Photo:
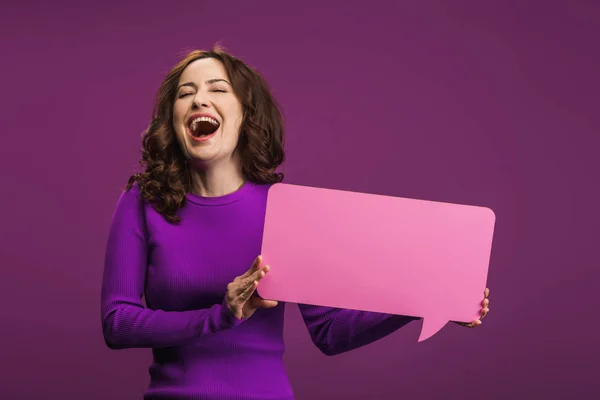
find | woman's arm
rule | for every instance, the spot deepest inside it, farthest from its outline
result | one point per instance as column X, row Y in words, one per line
column 126, row 323
column 335, row 330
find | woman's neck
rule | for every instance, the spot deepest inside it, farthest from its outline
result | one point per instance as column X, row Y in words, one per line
column 216, row 181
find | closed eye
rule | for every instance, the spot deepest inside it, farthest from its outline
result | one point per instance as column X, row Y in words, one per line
column 182, row 95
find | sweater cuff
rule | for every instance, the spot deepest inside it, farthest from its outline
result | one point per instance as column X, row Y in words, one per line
column 227, row 317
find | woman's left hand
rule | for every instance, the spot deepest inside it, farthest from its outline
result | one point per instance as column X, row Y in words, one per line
column 485, row 308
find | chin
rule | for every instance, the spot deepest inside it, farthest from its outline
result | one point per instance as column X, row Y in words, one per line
column 203, row 155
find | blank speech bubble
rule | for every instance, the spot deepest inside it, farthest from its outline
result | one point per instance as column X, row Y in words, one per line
column 376, row 253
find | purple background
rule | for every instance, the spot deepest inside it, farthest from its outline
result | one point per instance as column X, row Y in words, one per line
column 493, row 105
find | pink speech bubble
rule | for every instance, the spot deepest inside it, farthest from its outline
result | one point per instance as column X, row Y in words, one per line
column 377, row 253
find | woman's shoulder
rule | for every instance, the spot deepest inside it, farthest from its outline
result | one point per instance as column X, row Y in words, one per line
column 131, row 196
column 132, row 189
column 262, row 189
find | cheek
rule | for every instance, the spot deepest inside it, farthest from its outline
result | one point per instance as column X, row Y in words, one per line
column 178, row 124
column 178, row 114
column 233, row 130
column 236, row 117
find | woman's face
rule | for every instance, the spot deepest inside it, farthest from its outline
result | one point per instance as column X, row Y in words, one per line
column 207, row 115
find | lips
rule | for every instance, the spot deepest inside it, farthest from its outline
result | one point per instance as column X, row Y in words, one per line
column 202, row 125
column 202, row 138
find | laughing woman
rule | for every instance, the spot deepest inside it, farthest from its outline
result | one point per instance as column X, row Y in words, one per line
column 186, row 236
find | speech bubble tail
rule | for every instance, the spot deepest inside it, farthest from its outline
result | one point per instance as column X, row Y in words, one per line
column 430, row 327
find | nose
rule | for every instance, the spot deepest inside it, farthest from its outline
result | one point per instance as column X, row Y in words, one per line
column 199, row 101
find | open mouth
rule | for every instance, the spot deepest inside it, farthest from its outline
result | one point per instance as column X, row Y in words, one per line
column 203, row 126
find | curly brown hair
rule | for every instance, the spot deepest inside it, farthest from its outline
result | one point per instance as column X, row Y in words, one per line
column 166, row 180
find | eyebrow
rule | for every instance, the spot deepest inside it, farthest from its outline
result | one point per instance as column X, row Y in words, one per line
column 208, row 82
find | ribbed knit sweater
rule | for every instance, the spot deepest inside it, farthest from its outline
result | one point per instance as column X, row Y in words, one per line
column 164, row 288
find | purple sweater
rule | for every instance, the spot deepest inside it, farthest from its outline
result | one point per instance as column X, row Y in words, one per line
column 200, row 350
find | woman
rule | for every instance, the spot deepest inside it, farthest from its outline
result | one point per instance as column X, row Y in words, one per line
column 186, row 234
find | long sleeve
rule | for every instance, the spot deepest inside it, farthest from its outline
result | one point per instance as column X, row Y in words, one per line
column 126, row 322
column 335, row 331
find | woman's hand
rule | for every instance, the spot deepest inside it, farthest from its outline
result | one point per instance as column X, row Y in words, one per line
column 240, row 299
column 485, row 308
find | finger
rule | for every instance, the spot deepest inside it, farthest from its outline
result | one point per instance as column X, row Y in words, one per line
column 245, row 285
column 485, row 303
column 261, row 272
column 255, row 265
column 473, row 324
column 257, row 302
column 257, row 276
column 486, row 293
column 484, row 312
column 245, row 295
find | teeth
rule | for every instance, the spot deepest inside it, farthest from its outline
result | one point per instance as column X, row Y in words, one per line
column 203, row 119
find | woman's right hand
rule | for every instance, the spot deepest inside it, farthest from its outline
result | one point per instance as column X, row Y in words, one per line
column 240, row 299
